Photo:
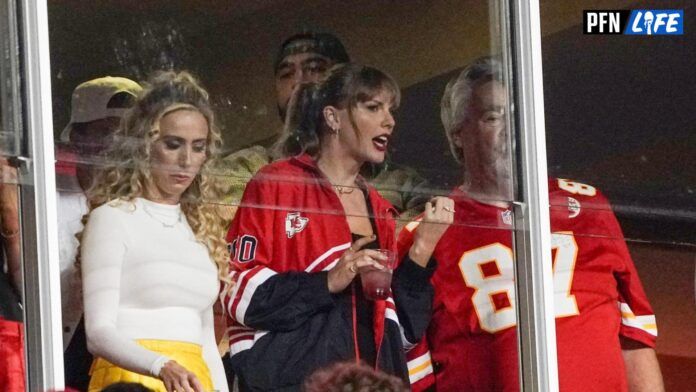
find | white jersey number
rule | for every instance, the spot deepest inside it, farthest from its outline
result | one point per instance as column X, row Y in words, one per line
column 488, row 270
column 577, row 188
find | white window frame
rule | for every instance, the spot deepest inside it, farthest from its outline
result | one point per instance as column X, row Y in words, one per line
column 41, row 291
column 520, row 20
column 536, row 324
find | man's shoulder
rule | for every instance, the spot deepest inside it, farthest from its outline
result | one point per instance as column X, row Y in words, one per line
column 396, row 177
column 249, row 159
column 580, row 207
column 285, row 167
column 562, row 188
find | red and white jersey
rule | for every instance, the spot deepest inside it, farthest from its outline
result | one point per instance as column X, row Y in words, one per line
column 471, row 341
column 291, row 220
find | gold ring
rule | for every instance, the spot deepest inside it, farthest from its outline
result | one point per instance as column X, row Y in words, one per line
column 353, row 268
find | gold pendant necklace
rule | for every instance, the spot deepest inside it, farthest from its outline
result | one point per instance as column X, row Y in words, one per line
column 344, row 190
column 163, row 223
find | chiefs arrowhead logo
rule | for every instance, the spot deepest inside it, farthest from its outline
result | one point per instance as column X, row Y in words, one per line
column 294, row 223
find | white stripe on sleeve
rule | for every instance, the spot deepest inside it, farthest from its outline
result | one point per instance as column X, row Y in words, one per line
column 390, row 313
column 645, row 323
column 326, row 254
column 251, row 285
column 419, row 367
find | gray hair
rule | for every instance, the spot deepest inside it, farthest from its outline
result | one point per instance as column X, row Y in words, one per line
column 454, row 107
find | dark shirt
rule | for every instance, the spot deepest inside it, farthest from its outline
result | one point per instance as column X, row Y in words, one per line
column 365, row 315
column 365, row 307
column 9, row 298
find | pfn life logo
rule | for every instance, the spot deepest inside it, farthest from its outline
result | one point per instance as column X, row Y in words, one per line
column 656, row 22
column 633, row 22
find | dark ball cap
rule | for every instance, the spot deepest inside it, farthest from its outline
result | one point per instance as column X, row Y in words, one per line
column 325, row 44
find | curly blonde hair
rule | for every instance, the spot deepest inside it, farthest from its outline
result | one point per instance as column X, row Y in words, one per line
column 127, row 169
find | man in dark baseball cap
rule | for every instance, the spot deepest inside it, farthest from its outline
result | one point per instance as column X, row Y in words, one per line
column 304, row 57
column 307, row 57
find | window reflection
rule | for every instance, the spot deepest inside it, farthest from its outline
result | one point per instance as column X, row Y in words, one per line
column 616, row 128
column 96, row 109
column 12, row 367
column 251, row 73
column 152, row 253
column 12, row 361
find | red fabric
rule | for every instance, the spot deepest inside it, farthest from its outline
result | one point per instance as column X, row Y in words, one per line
column 472, row 335
column 296, row 185
column 290, row 219
column 66, row 162
column 11, row 356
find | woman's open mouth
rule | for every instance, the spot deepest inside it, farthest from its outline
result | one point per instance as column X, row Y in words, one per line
column 380, row 142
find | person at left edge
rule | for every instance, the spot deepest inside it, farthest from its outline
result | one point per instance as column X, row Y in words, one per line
column 302, row 237
column 12, row 366
column 97, row 106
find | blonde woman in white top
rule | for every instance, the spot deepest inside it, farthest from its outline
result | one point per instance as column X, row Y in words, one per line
column 152, row 251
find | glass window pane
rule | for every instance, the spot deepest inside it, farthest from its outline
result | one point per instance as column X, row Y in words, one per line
column 618, row 118
column 12, row 364
column 304, row 214
column 10, row 117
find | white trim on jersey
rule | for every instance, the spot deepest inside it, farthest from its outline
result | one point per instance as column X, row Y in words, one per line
column 330, row 266
column 248, row 286
column 645, row 323
column 390, row 313
column 235, row 289
column 411, row 226
column 244, row 338
column 259, row 334
column 260, row 276
column 241, row 345
column 326, row 254
column 241, row 338
column 419, row 367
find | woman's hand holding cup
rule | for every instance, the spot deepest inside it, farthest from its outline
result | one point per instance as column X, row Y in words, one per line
column 354, row 260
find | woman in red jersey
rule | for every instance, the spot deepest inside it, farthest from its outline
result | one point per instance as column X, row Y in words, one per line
column 307, row 231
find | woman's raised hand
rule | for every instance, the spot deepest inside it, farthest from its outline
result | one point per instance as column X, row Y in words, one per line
column 438, row 216
column 177, row 379
column 354, row 260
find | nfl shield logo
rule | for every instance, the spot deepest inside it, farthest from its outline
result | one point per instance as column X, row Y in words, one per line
column 507, row 217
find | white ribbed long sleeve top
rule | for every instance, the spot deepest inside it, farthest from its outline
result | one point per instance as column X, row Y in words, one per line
column 146, row 277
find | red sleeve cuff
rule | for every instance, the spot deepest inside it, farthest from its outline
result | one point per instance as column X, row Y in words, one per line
column 638, row 335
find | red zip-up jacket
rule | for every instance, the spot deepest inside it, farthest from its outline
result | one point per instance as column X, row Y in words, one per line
column 283, row 322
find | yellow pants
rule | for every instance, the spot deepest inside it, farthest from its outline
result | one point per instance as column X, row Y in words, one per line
column 188, row 355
